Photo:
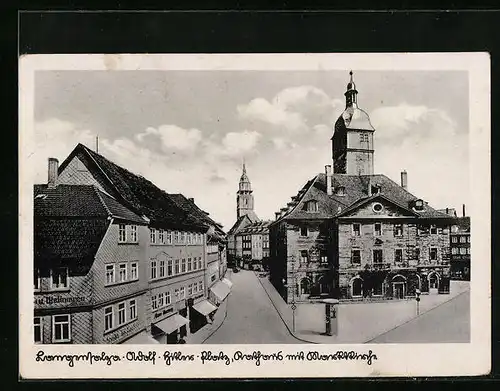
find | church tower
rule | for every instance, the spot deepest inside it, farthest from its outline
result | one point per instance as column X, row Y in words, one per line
column 352, row 141
column 244, row 196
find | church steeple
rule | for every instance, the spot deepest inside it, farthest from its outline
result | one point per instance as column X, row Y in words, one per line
column 351, row 98
column 244, row 196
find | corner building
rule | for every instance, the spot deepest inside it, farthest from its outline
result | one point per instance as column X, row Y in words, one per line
column 355, row 235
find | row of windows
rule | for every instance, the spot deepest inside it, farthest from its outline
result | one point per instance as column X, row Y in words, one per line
column 164, row 299
column 398, row 255
column 397, row 229
column 168, row 268
column 59, row 279
column 304, row 257
column 212, row 248
column 112, row 320
column 127, row 234
column 174, row 237
column 126, row 272
column 463, row 239
column 61, row 329
column 461, row 250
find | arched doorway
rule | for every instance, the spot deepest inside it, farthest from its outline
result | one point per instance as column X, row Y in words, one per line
column 399, row 287
column 357, row 287
column 323, row 285
column 433, row 282
column 305, row 288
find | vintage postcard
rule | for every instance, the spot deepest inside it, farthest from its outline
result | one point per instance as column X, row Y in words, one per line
column 277, row 215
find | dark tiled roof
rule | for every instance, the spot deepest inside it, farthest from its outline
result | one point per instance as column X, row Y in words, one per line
column 79, row 201
column 355, row 193
column 65, row 240
column 463, row 224
column 141, row 195
column 257, row 227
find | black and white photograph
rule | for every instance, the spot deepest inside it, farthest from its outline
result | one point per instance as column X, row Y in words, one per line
column 220, row 201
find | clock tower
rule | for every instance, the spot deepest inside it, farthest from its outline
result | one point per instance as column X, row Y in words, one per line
column 352, row 141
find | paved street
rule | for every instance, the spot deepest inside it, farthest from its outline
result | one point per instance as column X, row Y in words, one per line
column 251, row 316
column 449, row 322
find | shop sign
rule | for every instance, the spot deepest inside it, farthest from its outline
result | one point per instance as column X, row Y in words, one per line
column 161, row 313
column 61, row 300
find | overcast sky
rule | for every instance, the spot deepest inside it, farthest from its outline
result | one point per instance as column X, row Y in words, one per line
column 188, row 131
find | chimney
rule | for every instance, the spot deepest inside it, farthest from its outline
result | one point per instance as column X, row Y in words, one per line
column 191, row 199
column 328, row 173
column 404, row 180
column 463, row 210
column 53, row 167
column 447, row 211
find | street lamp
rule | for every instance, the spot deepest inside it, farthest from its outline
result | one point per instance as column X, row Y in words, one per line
column 417, row 299
column 294, row 287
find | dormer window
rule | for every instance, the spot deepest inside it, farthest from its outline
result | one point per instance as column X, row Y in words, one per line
column 312, row 206
column 418, row 205
column 375, row 189
column 340, row 191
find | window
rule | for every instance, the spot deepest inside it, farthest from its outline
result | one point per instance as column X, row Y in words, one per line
column 304, row 256
column 132, row 309
column 177, row 270
column 154, row 302
column 468, row 239
column 183, row 238
column 323, row 258
column 176, row 294
column 168, row 299
column 161, row 237
column 61, row 328
column 356, row 229
column 378, row 229
column 121, row 314
column 122, row 272
column 200, row 264
column 195, row 287
column 133, row 233
column 161, row 298
column 110, row 274
column 454, row 250
column 182, row 292
column 377, row 207
column 398, row 255
column 463, row 239
column 108, row 318
column 212, row 278
column 36, row 279
column 189, row 237
column 419, row 205
column 183, row 265
column 122, row 235
column 169, row 237
column 176, row 237
column 190, row 289
column 312, row 206
column 356, row 257
column 417, row 254
column 433, row 254
column 398, row 229
column 37, row 329
column 303, row 231
column 153, row 269
column 200, row 286
column 59, row 278
column 377, row 256
column 468, row 250
column 377, row 289
column 463, row 251
column 133, row 271
column 152, row 235
column 162, row 269
column 340, row 191
column 433, row 230
column 189, row 265
column 454, row 239
column 169, row 267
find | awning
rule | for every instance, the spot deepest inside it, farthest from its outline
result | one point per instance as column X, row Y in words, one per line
column 204, row 307
column 142, row 338
column 172, row 323
column 227, row 282
column 220, row 290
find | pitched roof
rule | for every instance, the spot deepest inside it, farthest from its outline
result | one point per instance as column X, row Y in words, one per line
column 79, row 201
column 256, row 227
column 463, row 224
column 189, row 205
column 140, row 194
column 67, row 240
column 355, row 192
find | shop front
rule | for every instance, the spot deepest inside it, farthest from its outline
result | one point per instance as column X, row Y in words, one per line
column 170, row 330
column 142, row 338
column 218, row 292
column 201, row 313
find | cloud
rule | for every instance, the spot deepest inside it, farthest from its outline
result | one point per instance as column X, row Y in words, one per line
column 173, row 137
column 293, row 108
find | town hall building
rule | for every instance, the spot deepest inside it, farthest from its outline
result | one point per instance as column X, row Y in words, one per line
column 355, row 235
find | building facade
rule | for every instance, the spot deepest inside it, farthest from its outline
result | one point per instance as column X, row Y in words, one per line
column 354, row 235
column 460, row 249
column 165, row 251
